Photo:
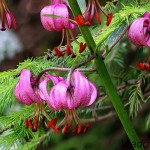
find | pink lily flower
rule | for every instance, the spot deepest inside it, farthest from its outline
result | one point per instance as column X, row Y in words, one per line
column 59, row 9
column 61, row 96
column 25, row 91
column 139, row 31
column 7, row 16
column 81, row 92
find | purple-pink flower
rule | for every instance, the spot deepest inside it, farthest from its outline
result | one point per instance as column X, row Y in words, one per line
column 81, row 92
column 60, row 22
column 6, row 16
column 52, row 23
column 25, row 91
column 139, row 31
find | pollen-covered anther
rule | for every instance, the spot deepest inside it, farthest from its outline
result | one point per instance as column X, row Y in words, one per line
column 80, row 20
column 109, row 18
column 79, row 128
column 52, row 124
column 30, row 123
column 58, row 52
column 98, row 17
column 82, row 47
column 87, row 126
column 75, row 130
column 144, row 66
column 66, row 128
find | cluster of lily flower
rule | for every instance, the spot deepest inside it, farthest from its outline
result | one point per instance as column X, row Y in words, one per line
column 80, row 91
column 62, row 96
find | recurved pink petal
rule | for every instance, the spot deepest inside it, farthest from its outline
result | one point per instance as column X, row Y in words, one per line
column 21, row 96
column 43, row 89
column 136, row 32
column 24, row 92
column 46, row 21
column 88, row 91
column 58, row 96
column 59, row 10
column 93, row 94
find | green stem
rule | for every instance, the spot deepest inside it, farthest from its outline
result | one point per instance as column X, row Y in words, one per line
column 104, row 75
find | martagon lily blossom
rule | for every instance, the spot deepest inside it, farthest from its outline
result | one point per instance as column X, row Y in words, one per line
column 62, row 95
column 26, row 92
column 60, row 22
column 6, row 16
column 139, row 31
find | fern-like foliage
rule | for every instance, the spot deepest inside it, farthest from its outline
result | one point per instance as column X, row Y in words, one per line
column 135, row 99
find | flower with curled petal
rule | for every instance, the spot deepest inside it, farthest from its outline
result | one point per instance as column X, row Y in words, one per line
column 59, row 9
column 62, row 23
column 81, row 92
column 6, row 16
column 139, row 31
column 26, row 92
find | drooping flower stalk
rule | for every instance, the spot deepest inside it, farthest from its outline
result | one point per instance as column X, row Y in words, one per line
column 6, row 16
column 92, row 10
column 60, row 23
column 139, row 31
column 81, row 92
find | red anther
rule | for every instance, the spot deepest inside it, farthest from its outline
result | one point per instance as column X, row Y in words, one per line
column 52, row 122
column 82, row 47
column 30, row 123
column 80, row 20
column 98, row 17
column 56, row 130
column 58, row 52
column 27, row 123
column 68, row 50
column 65, row 129
column 52, row 125
column 86, row 127
column 75, row 129
column 143, row 66
column 140, row 65
column 35, row 125
column 88, row 124
column 109, row 18
column 79, row 128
